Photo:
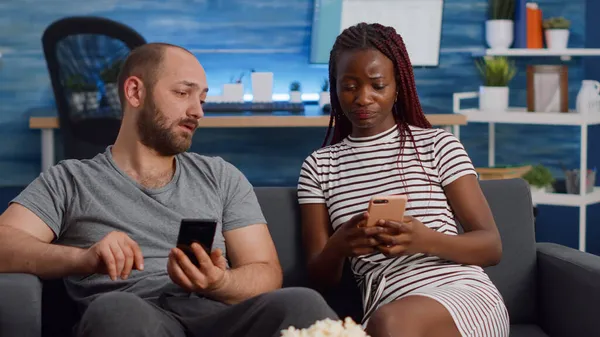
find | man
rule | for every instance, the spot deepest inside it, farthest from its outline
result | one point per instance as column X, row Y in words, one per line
column 109, row 225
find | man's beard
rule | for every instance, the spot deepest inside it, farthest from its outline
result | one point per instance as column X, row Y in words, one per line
column 157, row 135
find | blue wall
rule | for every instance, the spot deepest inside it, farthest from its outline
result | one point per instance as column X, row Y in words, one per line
column 233, row 36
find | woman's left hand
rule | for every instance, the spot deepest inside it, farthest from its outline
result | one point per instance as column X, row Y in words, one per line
column 408, row 237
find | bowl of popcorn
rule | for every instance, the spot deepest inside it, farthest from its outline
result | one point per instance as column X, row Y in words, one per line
column 327, row 328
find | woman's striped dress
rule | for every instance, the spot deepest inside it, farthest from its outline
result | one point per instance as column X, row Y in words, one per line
column 346, row 175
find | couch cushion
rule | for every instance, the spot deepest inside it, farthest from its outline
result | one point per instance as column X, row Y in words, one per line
column 281, row 210
column 526, row 330
column 510, row 201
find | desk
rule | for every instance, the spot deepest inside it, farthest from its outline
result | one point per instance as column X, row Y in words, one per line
column 47, row 125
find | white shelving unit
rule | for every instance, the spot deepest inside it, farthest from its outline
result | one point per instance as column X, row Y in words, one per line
column 521, row 116
column 564, row 55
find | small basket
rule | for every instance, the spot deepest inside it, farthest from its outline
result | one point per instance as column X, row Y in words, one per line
column 493, row 173
column 572, row 181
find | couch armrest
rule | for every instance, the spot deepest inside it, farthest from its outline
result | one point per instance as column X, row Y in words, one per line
column 569, row 291
column 20, row 305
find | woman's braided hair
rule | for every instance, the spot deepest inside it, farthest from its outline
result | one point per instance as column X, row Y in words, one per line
column 407, row 109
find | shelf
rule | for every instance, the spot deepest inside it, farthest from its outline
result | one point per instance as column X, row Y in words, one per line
column 522, row 116
column 562, row 199
column 564, row 54
column 262, row 120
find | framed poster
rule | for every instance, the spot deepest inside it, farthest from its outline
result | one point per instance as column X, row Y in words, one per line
column 419, row 22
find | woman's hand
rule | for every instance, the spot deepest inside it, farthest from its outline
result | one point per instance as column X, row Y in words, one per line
column 408, row 237
column 353, row 238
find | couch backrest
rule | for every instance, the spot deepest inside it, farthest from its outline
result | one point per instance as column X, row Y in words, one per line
column 510, row 202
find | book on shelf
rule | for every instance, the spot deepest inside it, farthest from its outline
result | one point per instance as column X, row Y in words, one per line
column 534, row 26
column 520, row 24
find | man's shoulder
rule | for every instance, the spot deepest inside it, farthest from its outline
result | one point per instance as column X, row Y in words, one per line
column 216, row 165
column 78, row 167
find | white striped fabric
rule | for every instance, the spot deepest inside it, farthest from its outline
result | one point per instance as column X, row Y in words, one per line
column 346, row 175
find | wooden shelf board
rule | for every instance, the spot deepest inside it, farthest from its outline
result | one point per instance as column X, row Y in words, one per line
column 262, row 121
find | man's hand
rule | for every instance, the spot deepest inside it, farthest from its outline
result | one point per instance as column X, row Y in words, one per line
column 116, row 255
column 210, row 276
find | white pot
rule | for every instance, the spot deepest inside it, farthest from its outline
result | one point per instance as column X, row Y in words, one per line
column 262, row 87
column 493, row 99
column 557, row 38
column 324, row 99
column 233, row 92
column 295, row 97
column 539, row 190
column 82, row 101
column 112, row 96
column 499, row 34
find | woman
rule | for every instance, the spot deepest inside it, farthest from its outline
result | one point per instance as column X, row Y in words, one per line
column 418, row 277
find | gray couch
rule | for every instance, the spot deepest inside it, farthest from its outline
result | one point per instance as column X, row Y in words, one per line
column 550, row 290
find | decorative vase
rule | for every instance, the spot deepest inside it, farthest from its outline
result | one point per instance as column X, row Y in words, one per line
column 324, row 99
column 557, row 38
column 588, row 98
column 499, row 34
column 262, row 86
column 493, row 99
column 295, row 97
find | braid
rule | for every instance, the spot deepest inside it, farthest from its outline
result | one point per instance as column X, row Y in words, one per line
column 408, row 110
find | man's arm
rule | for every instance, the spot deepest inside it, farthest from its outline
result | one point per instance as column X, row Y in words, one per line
column 255, row 267
column 25, row 246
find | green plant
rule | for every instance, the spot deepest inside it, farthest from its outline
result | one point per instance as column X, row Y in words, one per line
column 111, row 72
column 496, row 71
column 295, row 86
column 325, row 85
column 557, row 23
column 539, row 176
column 501, row 10
column 237, row 80
column 76, row 83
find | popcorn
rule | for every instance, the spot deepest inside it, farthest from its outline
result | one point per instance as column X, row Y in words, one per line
column 327, row 328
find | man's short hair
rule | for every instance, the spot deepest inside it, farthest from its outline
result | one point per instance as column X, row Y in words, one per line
column 143, row 62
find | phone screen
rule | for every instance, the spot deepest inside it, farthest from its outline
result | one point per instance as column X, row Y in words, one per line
column 201, row 231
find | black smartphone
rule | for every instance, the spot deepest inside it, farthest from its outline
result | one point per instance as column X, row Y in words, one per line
column 201, row 231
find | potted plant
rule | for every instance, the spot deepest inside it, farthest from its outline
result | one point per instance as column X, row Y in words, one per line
column 499, row 28
column 324, row 97
column 233, row 92
column 556, row 30
column 496, row 73
column 109, row 76
column 540, row 179
column 83, row 95
column 295, row 92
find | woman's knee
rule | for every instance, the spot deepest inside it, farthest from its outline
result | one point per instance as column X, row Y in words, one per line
column 393, row 320
column 412, row 316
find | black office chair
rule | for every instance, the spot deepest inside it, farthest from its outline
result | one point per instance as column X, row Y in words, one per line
column 83, row 55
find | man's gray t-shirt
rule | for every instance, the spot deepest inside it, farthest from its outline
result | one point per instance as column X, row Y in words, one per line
column 83, row 201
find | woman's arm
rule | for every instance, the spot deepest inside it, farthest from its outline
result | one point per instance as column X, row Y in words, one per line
column 327, row 251
column 480, row 243
column 325, row 264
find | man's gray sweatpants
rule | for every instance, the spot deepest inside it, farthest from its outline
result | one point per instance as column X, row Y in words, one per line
column 118, row 314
